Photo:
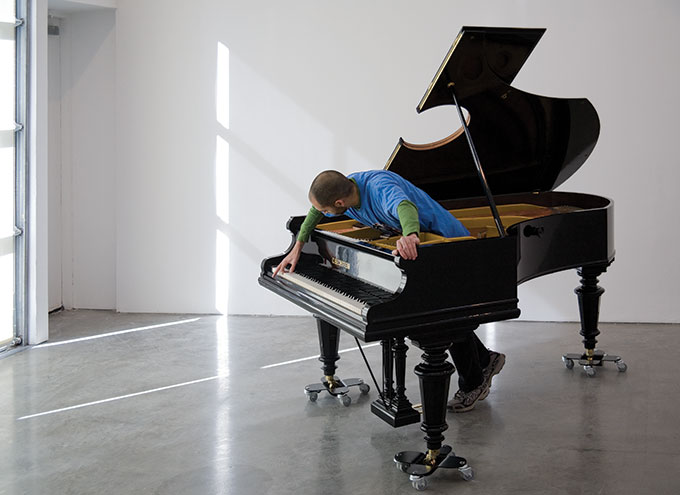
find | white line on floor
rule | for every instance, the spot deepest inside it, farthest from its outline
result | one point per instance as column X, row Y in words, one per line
column 120, row 397
column 120, row 332
column 314, row 357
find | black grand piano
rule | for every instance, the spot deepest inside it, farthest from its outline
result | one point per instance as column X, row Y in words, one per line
column 496, row 174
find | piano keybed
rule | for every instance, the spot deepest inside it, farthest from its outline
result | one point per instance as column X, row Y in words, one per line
column 348, row 292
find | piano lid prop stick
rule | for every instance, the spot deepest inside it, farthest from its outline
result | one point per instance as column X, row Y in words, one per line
column 480, row 171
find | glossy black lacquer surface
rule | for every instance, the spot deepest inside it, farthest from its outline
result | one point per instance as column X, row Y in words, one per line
column 528, row 145
column 447, row 286
column 525, row 142
column 580, row 236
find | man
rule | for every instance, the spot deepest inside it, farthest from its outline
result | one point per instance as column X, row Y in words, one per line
column 383, row 197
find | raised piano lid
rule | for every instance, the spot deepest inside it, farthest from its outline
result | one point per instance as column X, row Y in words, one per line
column 525, row 142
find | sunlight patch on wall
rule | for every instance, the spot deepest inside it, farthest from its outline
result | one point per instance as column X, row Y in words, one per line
column 222, row 179
column 222, row 242
column 222, row 272
column 222, row 86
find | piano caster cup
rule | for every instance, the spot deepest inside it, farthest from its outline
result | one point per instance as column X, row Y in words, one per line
column 337, row 388
column 419, row 465
column 598, row 358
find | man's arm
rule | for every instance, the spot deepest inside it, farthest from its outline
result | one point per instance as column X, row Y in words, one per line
column 312, row 219
column 410, row 228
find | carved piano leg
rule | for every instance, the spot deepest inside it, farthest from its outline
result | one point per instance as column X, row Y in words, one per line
column 589, row 294
column 434, row 374
column 397, row 410
column 388, row 369
column 329, row 342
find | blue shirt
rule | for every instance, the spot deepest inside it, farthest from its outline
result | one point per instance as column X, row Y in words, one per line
column 381, row 191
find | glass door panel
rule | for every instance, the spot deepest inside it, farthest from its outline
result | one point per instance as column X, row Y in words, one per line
column 7, row 166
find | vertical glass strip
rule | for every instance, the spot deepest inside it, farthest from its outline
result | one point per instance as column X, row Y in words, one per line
column 20, row 168
column 8, row 130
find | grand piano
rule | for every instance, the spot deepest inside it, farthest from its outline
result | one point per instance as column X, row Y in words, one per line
column 496, row 174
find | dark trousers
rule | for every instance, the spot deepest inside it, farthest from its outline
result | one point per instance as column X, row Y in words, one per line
column 470, row 357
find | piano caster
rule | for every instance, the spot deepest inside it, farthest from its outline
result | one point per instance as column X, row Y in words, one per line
column 418, row 482
column 419, row 465
column 337, row 388
column 591, row 359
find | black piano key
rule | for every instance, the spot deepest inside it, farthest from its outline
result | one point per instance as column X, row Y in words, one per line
column 349, row 286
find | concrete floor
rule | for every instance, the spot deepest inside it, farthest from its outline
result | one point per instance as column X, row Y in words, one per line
column 190, row 407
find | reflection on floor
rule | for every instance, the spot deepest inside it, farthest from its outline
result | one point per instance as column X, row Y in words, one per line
column 191, row 404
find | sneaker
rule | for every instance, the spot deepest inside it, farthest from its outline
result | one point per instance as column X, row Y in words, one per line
column 496, row 363
column 464, row 401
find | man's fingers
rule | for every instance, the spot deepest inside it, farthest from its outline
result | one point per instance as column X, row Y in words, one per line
column 285, row 263
column 276, row 271
column 411, row 252
column 281, row 268
column 407, row 248
column 412, row 248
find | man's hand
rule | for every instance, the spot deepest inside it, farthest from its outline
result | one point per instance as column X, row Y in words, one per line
column 290, row 259
column 407, row 247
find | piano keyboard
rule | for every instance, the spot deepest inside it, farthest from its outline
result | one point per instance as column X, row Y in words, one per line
column 343, row 290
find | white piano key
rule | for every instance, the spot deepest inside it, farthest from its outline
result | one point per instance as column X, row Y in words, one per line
column 324, row 291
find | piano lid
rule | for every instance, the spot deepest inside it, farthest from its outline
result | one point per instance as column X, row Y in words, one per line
column 525, row 142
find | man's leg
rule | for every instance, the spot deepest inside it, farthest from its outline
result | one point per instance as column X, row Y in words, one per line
column 470, row 357
column 476, row 367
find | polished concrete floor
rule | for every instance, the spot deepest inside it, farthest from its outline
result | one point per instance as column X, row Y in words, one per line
column 182, row 404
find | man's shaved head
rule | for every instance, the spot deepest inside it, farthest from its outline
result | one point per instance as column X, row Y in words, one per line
column 329, row 186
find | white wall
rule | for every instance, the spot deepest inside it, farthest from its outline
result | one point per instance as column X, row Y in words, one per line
column 37, row 178
column 315, row 85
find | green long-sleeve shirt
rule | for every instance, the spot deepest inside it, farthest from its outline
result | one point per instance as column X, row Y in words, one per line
column 407, row 212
